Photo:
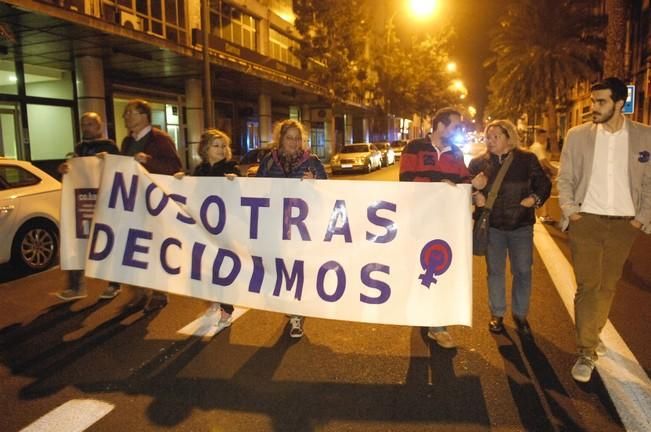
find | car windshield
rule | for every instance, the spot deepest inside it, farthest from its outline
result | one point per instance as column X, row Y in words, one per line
column 355, row 148
column 382, row 146
column 397, row 144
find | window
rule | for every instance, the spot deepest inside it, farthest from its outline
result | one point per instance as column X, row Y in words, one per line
column 48, row 82
column 12, row 176
column 233, row 25
column 283, row 48
column 8, row 77
column 50, row 131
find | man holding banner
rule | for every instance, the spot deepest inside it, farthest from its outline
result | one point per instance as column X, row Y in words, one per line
column 156, row 151
column 92, row 129
column 437, row 159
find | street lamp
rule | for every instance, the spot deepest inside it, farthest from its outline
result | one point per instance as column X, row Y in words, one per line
column 422, row 9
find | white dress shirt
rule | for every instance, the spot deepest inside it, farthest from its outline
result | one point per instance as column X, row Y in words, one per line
column 609, row 192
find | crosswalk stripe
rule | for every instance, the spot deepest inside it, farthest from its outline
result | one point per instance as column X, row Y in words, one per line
column 75, row 415
column 205, row 326
column 627, row 383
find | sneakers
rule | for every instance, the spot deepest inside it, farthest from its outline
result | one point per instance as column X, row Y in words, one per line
column 225, row 321
column 296, row 327
column 582, row 369
column 111, row 291
column 601, row 349
column 69, row 295
column 441, row 337
column 546, row 219
column 155, row 303
column 496, row 324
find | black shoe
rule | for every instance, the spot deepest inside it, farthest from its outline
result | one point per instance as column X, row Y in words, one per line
column 522, row 326
column 155, row 303
column 496, row 324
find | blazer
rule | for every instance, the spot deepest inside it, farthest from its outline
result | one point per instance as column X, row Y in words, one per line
column 158, row 145
column 576, row 168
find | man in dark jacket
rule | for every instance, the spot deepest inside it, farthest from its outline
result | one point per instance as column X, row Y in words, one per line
column 91, row 144
column 156, row 151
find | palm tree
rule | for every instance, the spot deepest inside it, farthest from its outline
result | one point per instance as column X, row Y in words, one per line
column 616, row 37
column 540, row 50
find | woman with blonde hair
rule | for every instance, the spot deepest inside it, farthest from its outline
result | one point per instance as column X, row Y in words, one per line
column 291, row 158
column 216, row 161
column 524, row 188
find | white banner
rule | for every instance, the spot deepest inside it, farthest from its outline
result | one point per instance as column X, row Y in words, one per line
column 378, row 252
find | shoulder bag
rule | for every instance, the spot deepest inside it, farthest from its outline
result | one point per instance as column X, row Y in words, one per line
column 480, row 228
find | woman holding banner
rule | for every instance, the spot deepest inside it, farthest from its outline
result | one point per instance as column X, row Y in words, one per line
column 216, row 161
column 524, row 188
column 291, row 158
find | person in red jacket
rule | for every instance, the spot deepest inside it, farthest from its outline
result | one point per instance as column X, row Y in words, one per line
column 437, row 159
column 156, row 151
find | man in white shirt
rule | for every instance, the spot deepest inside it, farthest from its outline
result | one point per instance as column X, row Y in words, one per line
column 605, row 195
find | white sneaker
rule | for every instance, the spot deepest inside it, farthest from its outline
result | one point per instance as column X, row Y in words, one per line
column 69, row 295
column 442, row 338
column 225, row 321
column 296, row 327
column 111, row 291
column 582, row 369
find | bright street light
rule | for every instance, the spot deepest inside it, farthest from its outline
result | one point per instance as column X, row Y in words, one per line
column 423, row 8
column 451, row 67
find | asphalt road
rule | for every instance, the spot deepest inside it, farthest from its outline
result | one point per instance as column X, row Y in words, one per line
column 138, row 372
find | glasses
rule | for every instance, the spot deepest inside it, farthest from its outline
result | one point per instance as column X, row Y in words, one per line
column 131, row 112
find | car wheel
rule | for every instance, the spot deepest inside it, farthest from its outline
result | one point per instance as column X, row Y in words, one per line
column 35, row 246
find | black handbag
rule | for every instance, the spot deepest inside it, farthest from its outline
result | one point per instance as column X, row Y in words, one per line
column 480, row 228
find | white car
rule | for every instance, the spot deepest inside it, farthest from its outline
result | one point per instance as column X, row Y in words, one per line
column 356, row 157
column 29, row 215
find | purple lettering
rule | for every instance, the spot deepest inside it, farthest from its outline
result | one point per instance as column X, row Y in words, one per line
column 255, row 204
column 390, row 226
column 289, row 220
column 339, row 211
column 163, row 255
column 297, row 275
column 384, row 288
column 341, row 281
column 119, row 186
column 132, row 247
column 110, row 238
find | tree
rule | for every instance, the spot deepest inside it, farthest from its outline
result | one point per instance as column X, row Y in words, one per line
column 616, row 38
column 333, row 47
column 355, row 52
column 540, row 50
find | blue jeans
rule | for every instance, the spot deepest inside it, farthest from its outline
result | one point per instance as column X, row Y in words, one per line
column 519, row 245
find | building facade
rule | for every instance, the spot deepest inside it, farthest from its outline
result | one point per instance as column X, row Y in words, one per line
column 60, row 58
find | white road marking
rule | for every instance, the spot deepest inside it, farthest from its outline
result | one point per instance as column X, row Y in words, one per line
column 75, row 415
column 206, row 325
column 627, row 383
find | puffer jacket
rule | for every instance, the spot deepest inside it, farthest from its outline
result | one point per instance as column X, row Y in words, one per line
column 524, row 177
column 271, row 167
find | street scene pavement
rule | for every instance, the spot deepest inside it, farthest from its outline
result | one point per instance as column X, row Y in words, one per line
column 99, row 365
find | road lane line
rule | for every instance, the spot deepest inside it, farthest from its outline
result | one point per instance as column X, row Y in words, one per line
column 206, row 325
column 627, row 383
column 76, row 415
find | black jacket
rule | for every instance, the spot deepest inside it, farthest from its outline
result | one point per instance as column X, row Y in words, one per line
column 524, row 177
column 92, row 147
column 220, row 169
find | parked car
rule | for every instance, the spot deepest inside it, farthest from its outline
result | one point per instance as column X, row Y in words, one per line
column 398, row 146
column 250, row 162
column 388, row 155
column 29, row 215
column 356, row 157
